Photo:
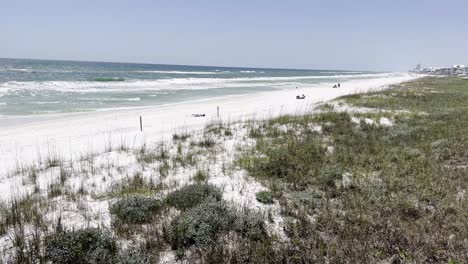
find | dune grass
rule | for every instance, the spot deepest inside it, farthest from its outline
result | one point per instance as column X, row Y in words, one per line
column 374, row 192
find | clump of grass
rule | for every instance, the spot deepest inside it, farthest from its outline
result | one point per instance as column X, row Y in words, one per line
column 180, row 137
column 64, row 175
column 228, row 133
column 206, row 142
column 200, row 176
column 294, row 161
column 52, row 162
column 32, row 172
column 135, row 209
column 163, row 169
column 135, row 185
column 215, row 129
column 150, row 156
column 265, row 197
column 54, row 190
column 191, row 195
column 328, row 176
column 184, row 160
column 123, row 148
column 255, row 132
column 327, row 107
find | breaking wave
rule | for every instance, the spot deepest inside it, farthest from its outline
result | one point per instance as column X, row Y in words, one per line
column 172, row 83
column 182, row 72
column 109, row 79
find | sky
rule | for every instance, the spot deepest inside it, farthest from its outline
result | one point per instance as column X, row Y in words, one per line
column 349, row 35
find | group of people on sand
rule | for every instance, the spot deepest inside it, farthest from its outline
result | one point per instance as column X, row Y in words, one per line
column 336, row 86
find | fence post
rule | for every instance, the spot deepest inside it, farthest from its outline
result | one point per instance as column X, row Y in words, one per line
column 141, row 124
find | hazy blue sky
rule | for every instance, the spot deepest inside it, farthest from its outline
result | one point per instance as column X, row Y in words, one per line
column 291, row 34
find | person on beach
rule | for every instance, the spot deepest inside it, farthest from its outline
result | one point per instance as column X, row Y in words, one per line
column 334, row 86
column 338, row 85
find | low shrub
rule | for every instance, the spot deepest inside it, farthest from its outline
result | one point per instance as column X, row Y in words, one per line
column 200, row 225
column 265, row 197
column 132, row 257
column 90, row 245
column 203, row 224
column 192, row 195
column 135, row 209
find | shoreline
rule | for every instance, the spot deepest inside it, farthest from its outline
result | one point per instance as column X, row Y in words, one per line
column 70, row 135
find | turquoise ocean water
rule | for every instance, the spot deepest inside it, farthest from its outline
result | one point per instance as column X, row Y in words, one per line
column 29, row 87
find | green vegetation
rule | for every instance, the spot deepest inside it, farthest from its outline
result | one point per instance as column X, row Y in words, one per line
column 150, row 156
column 180, row 137
column 206, row 142
column 227, row 133
column 202, row 225
column 83, row 246
column 192, row 195
column 376, row 193
column 265, row 197
column 135, row 209
column 200, row 176
column 135, row 185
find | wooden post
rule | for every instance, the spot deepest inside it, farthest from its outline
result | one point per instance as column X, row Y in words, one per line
column 217, row 109
column 141, row 124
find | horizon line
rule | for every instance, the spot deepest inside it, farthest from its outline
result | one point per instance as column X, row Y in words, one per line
column 190, row 65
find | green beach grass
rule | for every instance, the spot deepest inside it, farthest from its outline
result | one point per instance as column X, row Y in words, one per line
column 363, row 193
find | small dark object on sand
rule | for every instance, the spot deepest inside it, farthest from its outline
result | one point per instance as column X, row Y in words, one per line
column 334, row 86
column 198, row 115
column 300, row 96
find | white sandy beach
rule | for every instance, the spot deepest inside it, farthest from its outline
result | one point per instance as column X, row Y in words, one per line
column 24, row 139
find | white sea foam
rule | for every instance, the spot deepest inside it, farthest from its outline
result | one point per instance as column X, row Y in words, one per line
column 120, row 99
column 181, row 72
column 54, row 102
column 248, row 71
column 175, row 83
column 19, row 70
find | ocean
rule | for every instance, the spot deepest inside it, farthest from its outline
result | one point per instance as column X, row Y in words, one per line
column 39, row 87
